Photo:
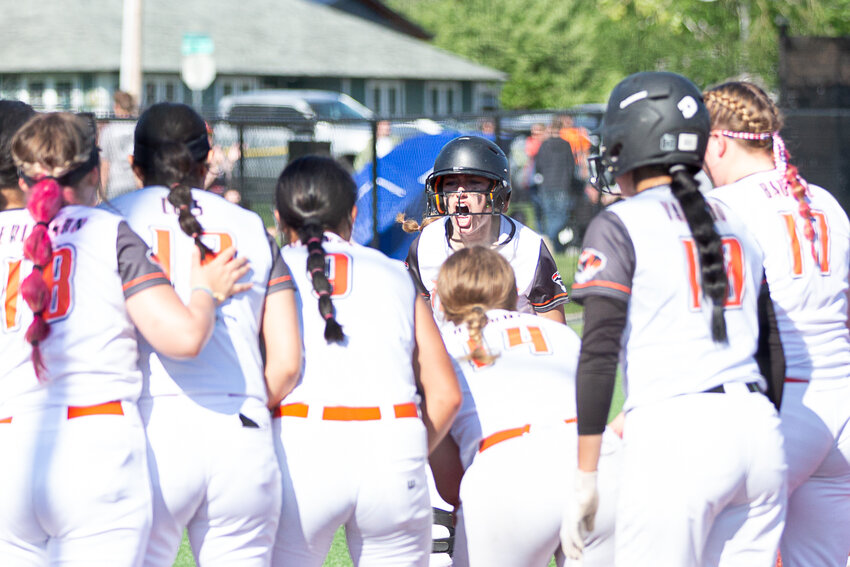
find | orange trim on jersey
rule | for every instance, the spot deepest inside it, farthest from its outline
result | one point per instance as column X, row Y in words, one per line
column 560, row 295
column 406, row 410
column 291, row 410
column 506, row 434
column 796, row 380
column 108, row 408
column 281, row 279
column 6, row 420
column 603, row 283
column 346, row 413
column 143, row 279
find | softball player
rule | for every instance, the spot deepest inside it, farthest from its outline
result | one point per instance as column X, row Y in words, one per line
column 212, row 457
column 805, row 236
column 675, row 280
column 467, row 192
column 353, row 448
column 74, row 280
column 13, row 115
column 516, row 429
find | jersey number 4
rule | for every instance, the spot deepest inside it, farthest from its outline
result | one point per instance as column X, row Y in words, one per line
column 57, row 276
column 733, row 253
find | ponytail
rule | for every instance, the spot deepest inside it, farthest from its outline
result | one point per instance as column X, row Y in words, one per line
column 708, row 244
column 44, row 203
column 311, row 234
column 475, row 318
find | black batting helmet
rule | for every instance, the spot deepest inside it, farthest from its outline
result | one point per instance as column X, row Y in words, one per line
column 653, row 118
column 469, row 155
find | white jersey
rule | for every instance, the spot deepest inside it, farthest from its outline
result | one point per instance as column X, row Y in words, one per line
column 810, row 296
column 539, row 285
column 374, row 300
column 531, row 382
column 91, row 352
column 641, row 251
column 231, row 362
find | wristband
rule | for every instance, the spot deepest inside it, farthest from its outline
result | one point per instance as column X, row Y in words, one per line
column 217, row 297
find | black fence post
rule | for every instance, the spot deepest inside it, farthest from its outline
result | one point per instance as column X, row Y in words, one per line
column 376, row 239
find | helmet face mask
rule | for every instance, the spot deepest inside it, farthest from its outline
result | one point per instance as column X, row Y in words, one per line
column 472, row 156
column 652, row 119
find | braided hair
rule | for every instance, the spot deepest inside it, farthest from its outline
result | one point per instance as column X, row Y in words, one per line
column 316, row 194
column 744, row 112
column 52, row 151
column 170, row 149
column 709, row 246
column 472, row 281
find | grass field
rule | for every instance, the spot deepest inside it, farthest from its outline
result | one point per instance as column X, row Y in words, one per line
column 338, row 555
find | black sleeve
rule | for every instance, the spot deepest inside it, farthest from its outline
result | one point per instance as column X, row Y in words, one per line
column 769, row 355
column 547, row 289
column 412, row 263
column 604, row 321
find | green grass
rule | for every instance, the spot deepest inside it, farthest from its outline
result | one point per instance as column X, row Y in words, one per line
column 338, row 555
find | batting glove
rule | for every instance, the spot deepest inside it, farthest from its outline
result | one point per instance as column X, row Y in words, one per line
column 581, row 515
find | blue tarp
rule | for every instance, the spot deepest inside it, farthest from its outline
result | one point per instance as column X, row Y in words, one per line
column 401, row 189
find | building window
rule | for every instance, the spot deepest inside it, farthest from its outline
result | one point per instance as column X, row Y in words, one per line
column 443, row 98
column 226, row 86
column 162, row 89
column 36, row 92
column 485, row 98
column 385, row 98
column 63, row 95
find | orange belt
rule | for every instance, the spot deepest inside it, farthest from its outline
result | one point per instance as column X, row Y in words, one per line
column 106, row 408
column 345, row 413
column 506, row 434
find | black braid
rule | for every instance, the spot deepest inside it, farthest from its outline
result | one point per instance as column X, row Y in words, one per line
column 173, row 162
column 709, row 247
column 311, row 234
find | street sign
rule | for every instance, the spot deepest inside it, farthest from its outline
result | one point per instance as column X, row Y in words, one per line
column 198, row 64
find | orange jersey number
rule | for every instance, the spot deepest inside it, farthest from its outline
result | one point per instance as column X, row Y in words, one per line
column 163, row 241
column 57, row 276
column 821, row 243
column 733, row 253
column 515, row 337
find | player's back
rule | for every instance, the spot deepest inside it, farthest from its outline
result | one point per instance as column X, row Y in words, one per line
column 231, row 362
column 668, row 347
column 531, row 381
column 90, row 353
column 810, row 295
column 374, row 301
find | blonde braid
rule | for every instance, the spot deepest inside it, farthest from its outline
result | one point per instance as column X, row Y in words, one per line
column 475, row 319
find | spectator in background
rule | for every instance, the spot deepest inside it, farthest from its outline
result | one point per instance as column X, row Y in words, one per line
column 384, row 144
column 220, row 163
column 554, row 198
column 116, row 143
column 488, row 129
column 579, row 141
column 13, row 115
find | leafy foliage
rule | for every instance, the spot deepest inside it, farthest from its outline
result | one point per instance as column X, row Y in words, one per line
column 566, row 52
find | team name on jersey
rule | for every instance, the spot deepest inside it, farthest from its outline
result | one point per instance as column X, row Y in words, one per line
column 169, row 209
column 675, row 213
column 10, row 234
column 777, row 188
column 19, row 232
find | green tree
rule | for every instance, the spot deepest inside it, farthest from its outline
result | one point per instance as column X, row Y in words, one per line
column 558, row 53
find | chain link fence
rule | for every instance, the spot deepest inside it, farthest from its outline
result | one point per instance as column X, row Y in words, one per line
column 390, row 158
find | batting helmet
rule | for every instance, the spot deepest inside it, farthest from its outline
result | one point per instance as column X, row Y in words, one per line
column 653, row 118
column 469, row 155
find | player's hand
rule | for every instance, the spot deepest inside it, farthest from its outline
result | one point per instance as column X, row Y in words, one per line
column 580, row 518
column 220, row 274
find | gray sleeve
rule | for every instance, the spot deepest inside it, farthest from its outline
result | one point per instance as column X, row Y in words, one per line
column 280, row 277
column 606, row 264
column 135, row 265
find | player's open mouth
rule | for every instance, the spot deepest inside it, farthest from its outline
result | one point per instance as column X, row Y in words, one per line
column 462, row 216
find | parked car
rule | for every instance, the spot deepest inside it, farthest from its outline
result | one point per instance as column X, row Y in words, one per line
column 306, row 115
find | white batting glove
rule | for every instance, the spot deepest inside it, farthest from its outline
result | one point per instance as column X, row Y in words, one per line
column 580, row 518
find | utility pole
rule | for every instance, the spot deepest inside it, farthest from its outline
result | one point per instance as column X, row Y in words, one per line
column 130, row 75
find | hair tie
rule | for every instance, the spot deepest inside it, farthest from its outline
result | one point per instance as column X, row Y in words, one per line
column 195, row 236
column 676, row 168
column 317, row 251
column 183, row 207
column 313, row 240
column 42, row 223
column 316, row 269
column 328, row 316
column 323, row 293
